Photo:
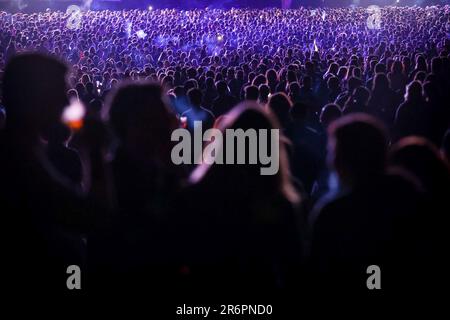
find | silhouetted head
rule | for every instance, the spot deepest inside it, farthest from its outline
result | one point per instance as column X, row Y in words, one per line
column 222, row 87
column 72, row 94
column 251, row 93
column 421, row 158
column 420, row 76
column 380, row 83
column 141, row 119
column 294, row 89
column 330, row 113
column 307, row 82
column 252, row 184
column 333, row 83
column 361, row 95
column 414, row 92
column 353, row 83
column 397, row 67
column 260, row 79
column 34, row 92
column 264, row 91
column 195, row 97
column 357, row 147
column 280, row 105
column 431, row 91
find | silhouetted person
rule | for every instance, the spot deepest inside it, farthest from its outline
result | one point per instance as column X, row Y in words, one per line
column 357, row 102
column 334, row 89
column 352, row 84
column 398, row 77
column 44, row 215
column 410, row 118
column 437, row 114
column 423, row 160
column 329, row 113
column 64, row 159
column 363, row 220
column 251, row 93
column 137, row 245
column 224, row 102
column 197, row 112
column 308, row 154
column 383, row 101
column 246, row 232
column 281, row 105
column 210, row 93
column 264, row 92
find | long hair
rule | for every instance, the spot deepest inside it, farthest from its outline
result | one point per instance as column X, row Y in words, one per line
column 246, row 179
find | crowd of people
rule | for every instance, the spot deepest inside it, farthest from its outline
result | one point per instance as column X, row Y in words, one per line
column 364, row 148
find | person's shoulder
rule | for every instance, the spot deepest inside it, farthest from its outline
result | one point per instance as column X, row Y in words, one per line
column 402, row 107
column 209, row 112
column 329, row 207
column 187, row 112
column 400, row 180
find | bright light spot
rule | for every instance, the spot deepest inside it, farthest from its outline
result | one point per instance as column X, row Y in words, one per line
column 374, row 19
column 219, row 37
column 398, row 1
column 150, row 8
column 128, row 27
column 73, row 114
column 141, row 34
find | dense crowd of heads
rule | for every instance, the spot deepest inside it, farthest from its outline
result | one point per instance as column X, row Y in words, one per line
column 364, row 146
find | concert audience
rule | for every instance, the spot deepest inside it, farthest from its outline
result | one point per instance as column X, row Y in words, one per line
column 362, row 114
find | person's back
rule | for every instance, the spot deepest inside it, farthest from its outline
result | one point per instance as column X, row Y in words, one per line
column 307, row 158
column 363, row 222
column 224, row 102
column 436, row 113
column 210, row 93
column 383, row 100
column 44, row 215
column 64, row 159
column 410, row 118
column 357, row 102
column 197, row 113
column 145, row 183
column 239, row 227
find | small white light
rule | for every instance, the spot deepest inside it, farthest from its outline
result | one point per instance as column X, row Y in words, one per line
column 219, row 37
column 141, row 34
column 150, row 8
column 73, row 114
